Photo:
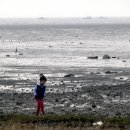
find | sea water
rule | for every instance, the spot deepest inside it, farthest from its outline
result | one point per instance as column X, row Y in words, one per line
column 65, row 42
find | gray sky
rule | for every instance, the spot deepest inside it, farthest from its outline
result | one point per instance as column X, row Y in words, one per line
column 64, row 8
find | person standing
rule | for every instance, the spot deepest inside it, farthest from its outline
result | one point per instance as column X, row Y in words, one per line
column 39, row 93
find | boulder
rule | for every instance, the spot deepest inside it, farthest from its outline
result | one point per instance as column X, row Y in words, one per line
column 98, row 73
column 7, row 55
column 118, row 113
column 69, row 75
column 94, row 106
column 114, row 57
column 106, row 57
column 19, row 103
column 93, row 57
column 21, row 54
column 56, row 100
column 109, row 72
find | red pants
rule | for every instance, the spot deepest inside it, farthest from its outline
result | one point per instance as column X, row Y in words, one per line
column 40, row 106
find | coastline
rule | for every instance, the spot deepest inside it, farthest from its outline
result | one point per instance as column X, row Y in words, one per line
column 94, row 91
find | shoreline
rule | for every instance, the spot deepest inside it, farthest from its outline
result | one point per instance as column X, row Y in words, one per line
column 84, row 92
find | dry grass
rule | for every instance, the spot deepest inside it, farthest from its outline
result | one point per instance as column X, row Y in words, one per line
column 10, row 125
column 61, row 122
column 40, row 127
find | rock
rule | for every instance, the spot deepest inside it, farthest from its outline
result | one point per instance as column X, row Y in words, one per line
column 109, row 72
column 94, row 106
column 106, row 57
column 62, row 110
column 74, row 110
column 91, row 73
column 118, row 113
column 7, row 55
column 63, row 100
column 69, row 75
column 20, row 54
column 93, row 57
column 124, row 61
column 115, row 72
column 18, row 103
column 56, row 100
column 67, row 104
column 73, row 90
column 51, row 89
column 113, row 57
column 15, row 93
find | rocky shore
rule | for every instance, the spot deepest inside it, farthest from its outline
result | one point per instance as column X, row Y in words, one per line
column 91, row 91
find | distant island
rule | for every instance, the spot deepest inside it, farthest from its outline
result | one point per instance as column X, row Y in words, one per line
column 41, row 18
column 89, row 17
column 101, row 17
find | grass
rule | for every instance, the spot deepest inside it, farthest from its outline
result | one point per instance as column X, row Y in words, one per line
column 62, row 122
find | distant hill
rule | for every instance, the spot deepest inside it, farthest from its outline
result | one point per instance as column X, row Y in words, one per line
column 47, row 21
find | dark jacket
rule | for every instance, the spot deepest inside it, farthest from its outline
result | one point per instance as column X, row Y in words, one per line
column 39, row 91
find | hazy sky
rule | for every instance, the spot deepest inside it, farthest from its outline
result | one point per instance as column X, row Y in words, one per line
column 64, row 8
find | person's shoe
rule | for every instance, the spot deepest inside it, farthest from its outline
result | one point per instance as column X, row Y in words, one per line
column 43, row 113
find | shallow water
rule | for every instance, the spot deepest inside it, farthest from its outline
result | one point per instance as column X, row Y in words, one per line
column 66, row 44
column 54, row 46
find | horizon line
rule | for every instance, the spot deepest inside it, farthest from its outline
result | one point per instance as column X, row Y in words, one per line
column 42, row 17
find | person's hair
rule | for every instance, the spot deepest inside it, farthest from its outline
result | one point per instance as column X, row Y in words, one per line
column 43, row 78
column 41, row 75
